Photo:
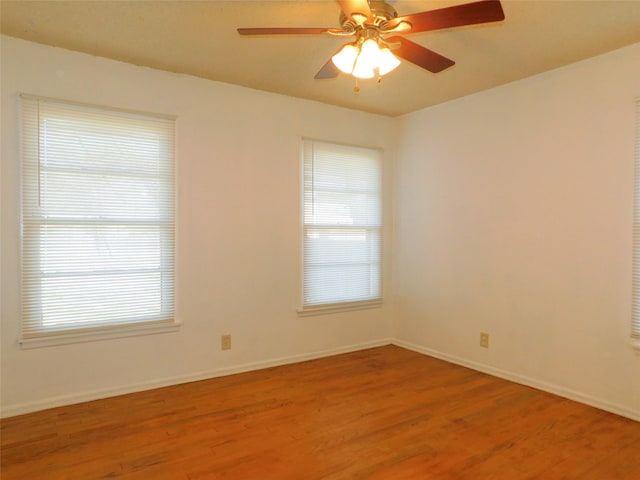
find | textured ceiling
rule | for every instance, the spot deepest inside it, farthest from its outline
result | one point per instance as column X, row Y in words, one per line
column 199, row 38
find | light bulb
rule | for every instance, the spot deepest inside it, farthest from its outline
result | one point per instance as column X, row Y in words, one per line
column 345, row 59
column 387, row 61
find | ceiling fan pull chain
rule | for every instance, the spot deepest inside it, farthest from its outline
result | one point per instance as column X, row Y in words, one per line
column 356, row 88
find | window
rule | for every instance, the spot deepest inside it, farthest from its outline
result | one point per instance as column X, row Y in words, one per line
column 635, row 320
column 97, row 221
column 342, row 223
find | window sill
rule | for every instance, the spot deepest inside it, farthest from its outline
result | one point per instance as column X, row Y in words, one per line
column 635, row 344
column 338, row 307
column 93, row 336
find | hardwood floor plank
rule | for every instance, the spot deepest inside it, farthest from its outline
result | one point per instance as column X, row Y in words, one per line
column 384, row 413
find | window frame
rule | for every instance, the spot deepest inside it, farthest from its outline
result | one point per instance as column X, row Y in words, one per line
column 635, row 264
column 105, row 330
column 349, row 305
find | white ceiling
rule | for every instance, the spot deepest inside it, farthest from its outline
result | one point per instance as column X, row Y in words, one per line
column 199, row 38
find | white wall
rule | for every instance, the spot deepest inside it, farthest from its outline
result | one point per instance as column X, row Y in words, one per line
column 513, row 216
column 238, row 230
column 512, row 212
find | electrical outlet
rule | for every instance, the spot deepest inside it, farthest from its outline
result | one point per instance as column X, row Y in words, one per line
column 484, row 340
column 225, row 342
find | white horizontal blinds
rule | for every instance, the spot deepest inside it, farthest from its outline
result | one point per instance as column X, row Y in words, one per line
column 635, row 320
column 342, row 223
column 98, row 218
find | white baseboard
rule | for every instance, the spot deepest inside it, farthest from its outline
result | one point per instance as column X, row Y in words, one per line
column 19, row 409
column 52, row 402
column 524, row 380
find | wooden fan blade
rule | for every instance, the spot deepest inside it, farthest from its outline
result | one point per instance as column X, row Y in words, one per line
column 456, row 16
column 419, row 55
column 285, row 31
column 328, row 70
column 349, row 7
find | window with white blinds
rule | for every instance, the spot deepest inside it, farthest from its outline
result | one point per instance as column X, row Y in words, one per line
column 635, row 319
column 97, row 220
column 342, row 223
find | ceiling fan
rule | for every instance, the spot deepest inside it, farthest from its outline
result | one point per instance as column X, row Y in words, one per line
column 377, row 27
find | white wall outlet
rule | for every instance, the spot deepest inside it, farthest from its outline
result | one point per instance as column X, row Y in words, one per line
column 484, row 340
column 225, row 342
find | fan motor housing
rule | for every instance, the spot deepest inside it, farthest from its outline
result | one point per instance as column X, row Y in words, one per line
column 382, row 12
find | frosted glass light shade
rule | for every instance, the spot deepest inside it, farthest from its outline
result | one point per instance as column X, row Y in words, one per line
column 362, row 69
column 365, row 60
column 345, row 59
column 387, row 61
column 369, row 54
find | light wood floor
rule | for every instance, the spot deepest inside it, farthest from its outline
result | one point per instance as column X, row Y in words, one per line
column 384, row 413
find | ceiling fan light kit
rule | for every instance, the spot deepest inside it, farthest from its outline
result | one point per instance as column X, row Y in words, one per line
column 363, row 59
column 377, row 26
